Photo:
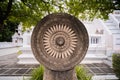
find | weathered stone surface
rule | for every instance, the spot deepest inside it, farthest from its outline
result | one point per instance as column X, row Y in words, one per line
column 59, row 75
column 59, row 41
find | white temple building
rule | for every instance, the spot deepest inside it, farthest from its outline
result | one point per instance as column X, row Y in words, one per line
column 17, row 38
column 104, row 40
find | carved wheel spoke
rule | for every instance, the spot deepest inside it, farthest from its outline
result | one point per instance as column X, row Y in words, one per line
column 59, row 41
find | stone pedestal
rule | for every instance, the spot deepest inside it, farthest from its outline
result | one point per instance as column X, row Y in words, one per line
column 59, row 42
column 59, row 75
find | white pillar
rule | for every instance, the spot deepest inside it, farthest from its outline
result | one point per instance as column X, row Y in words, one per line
column 27, row 56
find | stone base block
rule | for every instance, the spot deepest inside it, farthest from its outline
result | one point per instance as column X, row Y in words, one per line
column 59, row 75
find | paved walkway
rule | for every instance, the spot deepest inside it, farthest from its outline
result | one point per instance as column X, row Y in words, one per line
column 6, row 51
column 9, row 67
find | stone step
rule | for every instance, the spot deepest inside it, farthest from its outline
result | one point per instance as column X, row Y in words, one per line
column 26, row 56
column 26, row 50
column 14, row 77
column 108, row 62
column 115, row 31
column 104, row 77
column 27, row 59
column 96, row 50
column 95, row 77
column 110, row 24
column 94, row 58
column 116, row 36
column 112, row 27
column 116, row 39
column 118, row 18
column 117, row 42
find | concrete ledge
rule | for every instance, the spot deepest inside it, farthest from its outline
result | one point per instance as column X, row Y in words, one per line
column 104, row 77
column 14, row 77
column 100, row 77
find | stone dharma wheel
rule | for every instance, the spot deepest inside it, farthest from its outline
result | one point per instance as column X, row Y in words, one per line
column 59, row 41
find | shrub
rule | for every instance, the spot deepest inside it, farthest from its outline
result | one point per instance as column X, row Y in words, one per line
column 19, row 52
column 82, row 73
column 37, row 74
column 116, row 64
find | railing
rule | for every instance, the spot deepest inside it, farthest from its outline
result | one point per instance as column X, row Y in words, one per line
column 100, row 22
column 115, row 21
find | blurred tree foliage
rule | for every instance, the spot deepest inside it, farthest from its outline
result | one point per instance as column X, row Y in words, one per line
column 29, row 12
column 8, row 31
